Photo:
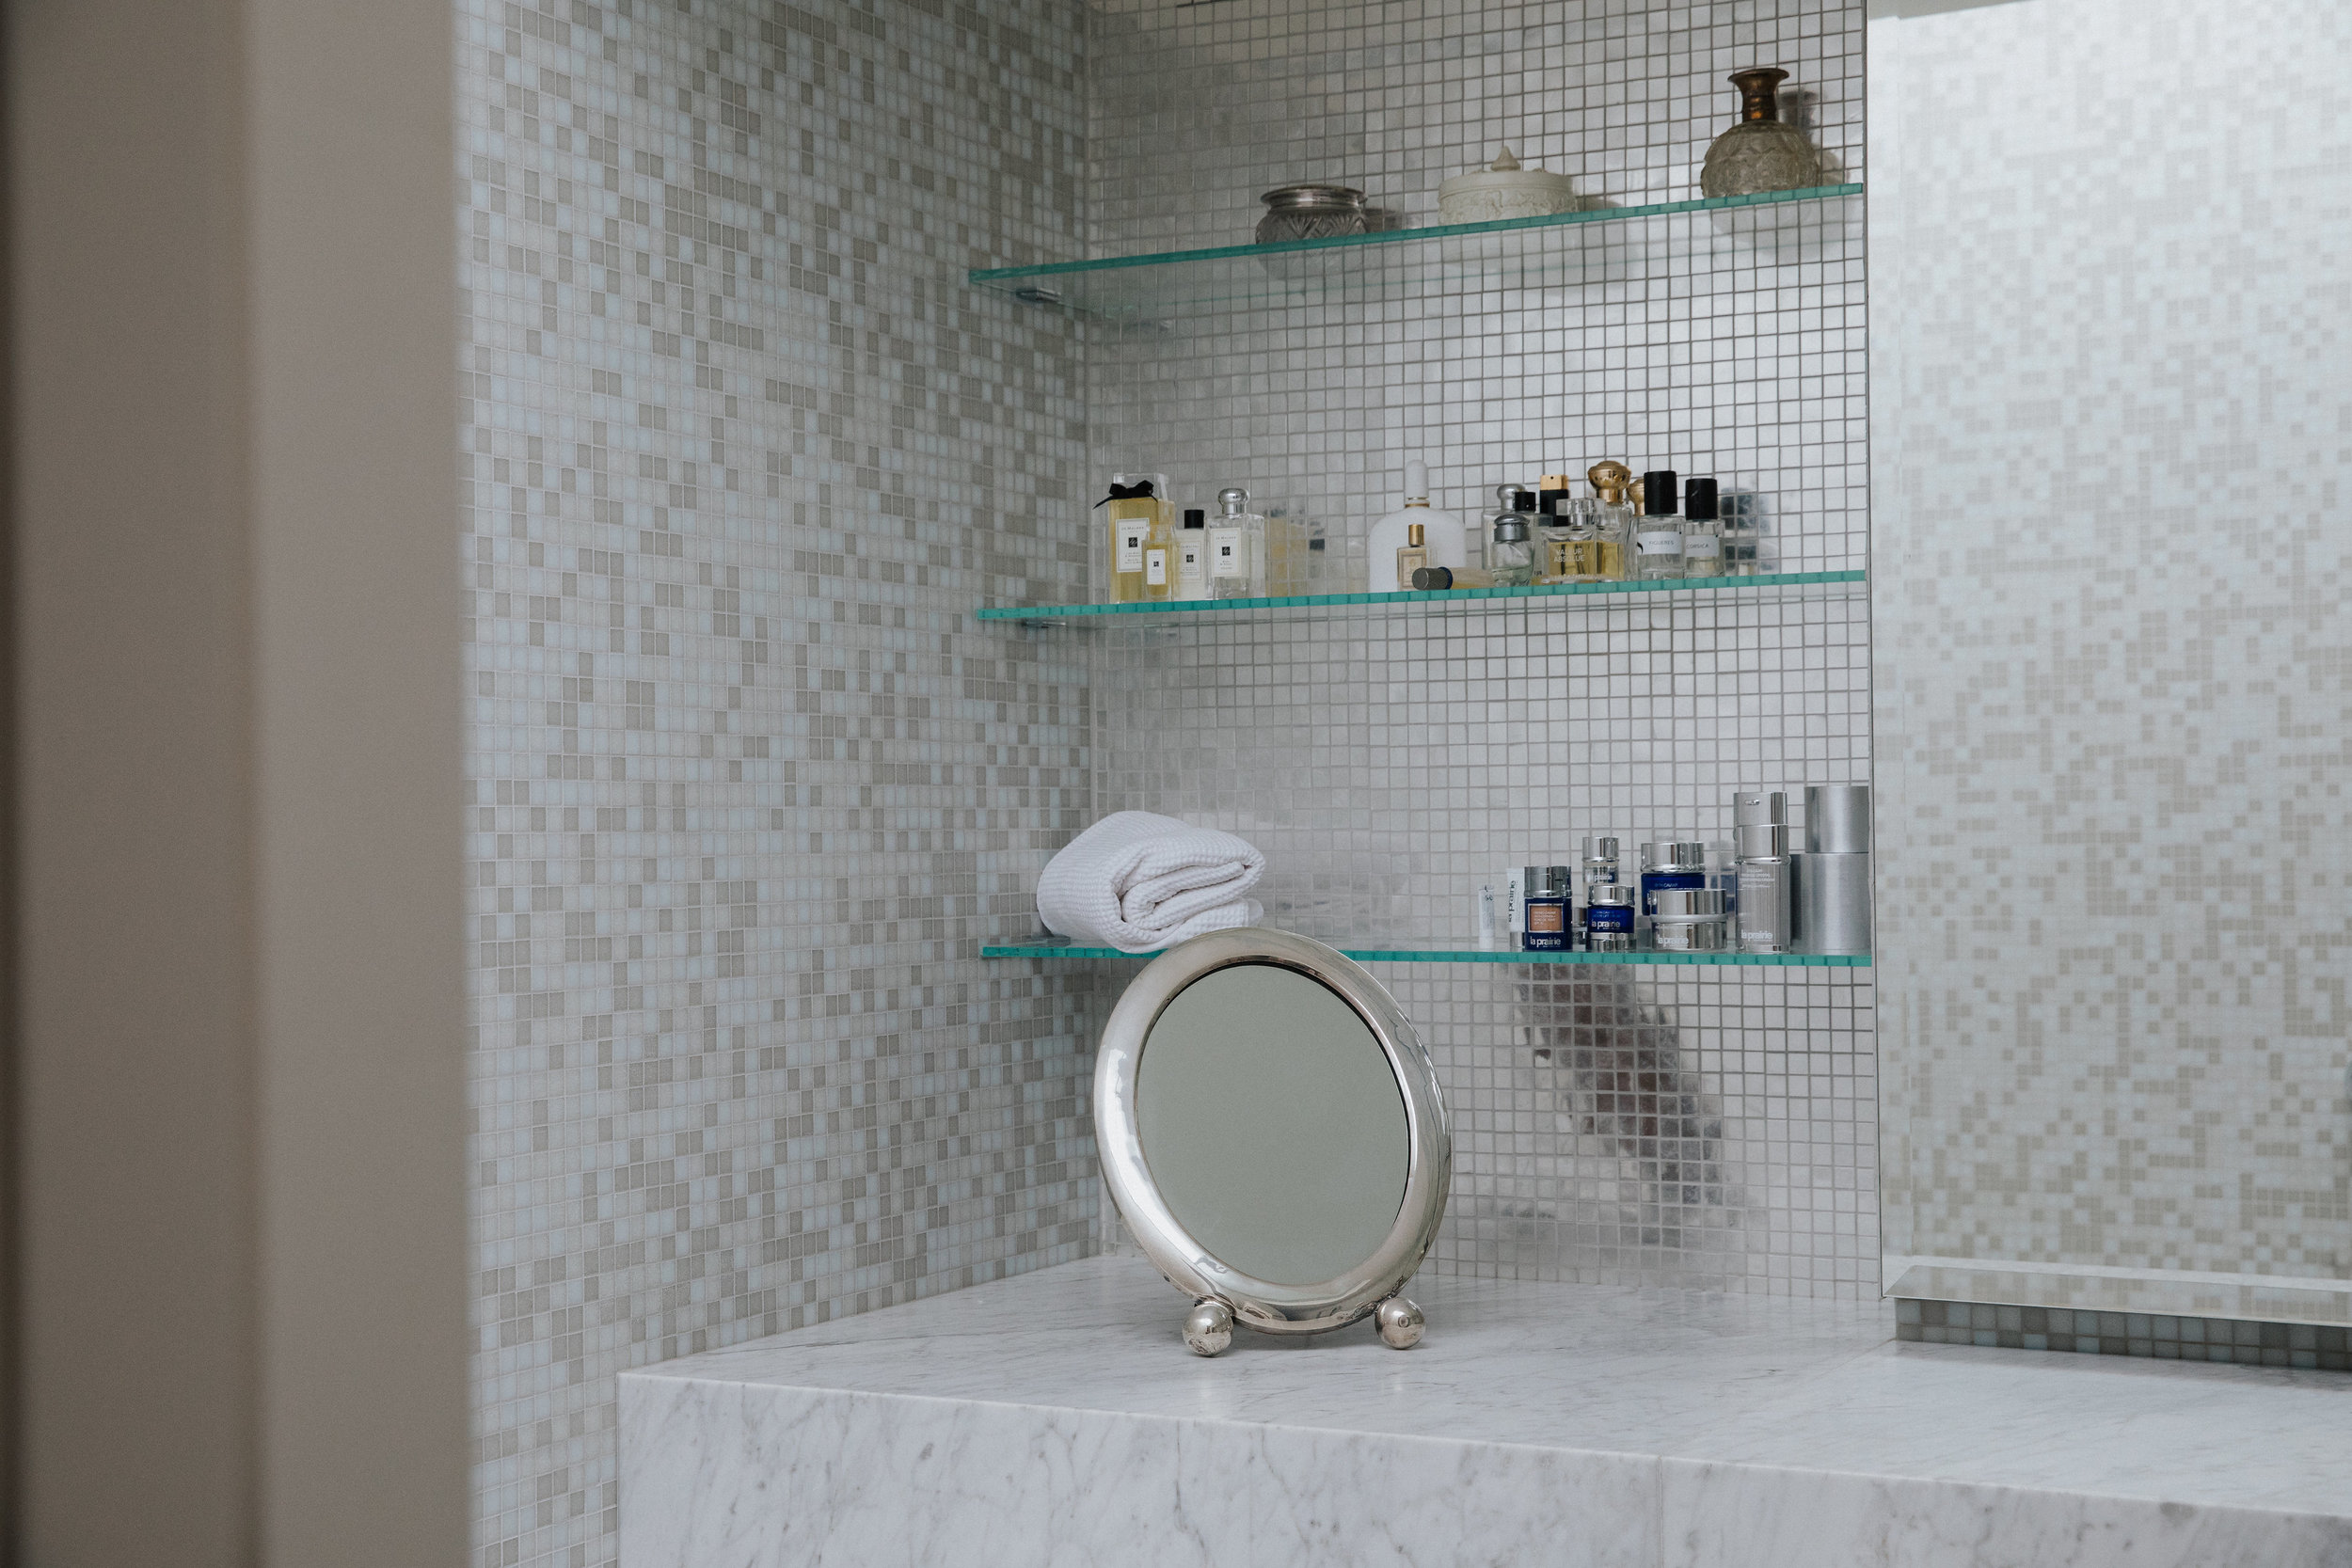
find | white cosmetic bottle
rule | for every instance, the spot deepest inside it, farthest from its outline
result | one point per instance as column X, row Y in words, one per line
column 1441, row 533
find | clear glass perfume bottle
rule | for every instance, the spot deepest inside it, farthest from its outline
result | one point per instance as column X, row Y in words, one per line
column 1192, row 556
column 1606, row 538
column 1657, row 537
column 1702, row 530
column 1510, row 552
column 1237, row 549
column 1137, row 509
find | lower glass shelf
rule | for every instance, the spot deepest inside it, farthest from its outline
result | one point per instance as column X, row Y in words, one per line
column 1476, row 956
column 1448, row 599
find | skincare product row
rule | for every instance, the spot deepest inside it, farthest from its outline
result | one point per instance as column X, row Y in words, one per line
column 1153, row 557
column 1762, row 896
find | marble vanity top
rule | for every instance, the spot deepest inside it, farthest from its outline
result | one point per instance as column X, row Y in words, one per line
column 1734, row 1429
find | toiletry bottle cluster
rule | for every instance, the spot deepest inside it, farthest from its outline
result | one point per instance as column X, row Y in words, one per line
column 1230, row 555
column 1758, row 895
column 1656, row 527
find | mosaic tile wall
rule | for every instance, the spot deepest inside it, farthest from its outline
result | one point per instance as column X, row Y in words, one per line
column 2114, row 916
column 1660, row 1126
column 748, row 784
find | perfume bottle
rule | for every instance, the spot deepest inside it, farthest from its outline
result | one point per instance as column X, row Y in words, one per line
column 1138, row 510
column 1442, row 536
column 1512, row 554
column 1237, row 555
column 1192, row 555
column 1658, row 541
column 1762, row 152
column 1413, row 555
column 1604, row 534
column 1438, row 579
column 1702, row 530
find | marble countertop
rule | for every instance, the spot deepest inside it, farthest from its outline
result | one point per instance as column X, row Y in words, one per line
column 1749, row 1381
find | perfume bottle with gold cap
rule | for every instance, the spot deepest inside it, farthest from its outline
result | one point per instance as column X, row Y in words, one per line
column 1413, row 555
column 1589, row 542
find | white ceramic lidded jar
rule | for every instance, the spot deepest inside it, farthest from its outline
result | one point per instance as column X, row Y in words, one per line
column 1503, row 190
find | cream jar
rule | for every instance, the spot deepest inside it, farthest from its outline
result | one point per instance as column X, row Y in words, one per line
column 1503, row 190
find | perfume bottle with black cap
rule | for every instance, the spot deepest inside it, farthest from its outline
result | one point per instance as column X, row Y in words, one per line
column 1657, row 537
column 1702, row 530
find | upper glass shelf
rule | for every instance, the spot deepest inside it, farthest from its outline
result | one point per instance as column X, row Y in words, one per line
column 1453, row 598
column 1591, row 246
column 1478, row 956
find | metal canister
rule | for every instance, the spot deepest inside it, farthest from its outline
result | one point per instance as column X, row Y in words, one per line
column 1689, row 920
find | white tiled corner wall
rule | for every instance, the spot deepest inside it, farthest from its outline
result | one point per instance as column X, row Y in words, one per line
column 750, row 784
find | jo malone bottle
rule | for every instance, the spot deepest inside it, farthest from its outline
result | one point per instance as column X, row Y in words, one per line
column 1192, row 556
column 1413, row 555
column 1237, row 549
column 1702, row 530
column 1138, row 510
column 1658, row 541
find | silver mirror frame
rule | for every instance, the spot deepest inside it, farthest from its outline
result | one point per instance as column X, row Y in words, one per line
column 1224, row 1296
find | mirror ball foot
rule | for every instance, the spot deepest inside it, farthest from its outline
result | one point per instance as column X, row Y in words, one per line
column 1208, row 1327
column 1400, row 1322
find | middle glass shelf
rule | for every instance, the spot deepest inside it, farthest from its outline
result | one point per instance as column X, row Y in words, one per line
column 1046, row 950
column 1454, row 598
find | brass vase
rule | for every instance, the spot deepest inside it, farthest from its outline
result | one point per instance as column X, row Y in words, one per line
column 1761, row 152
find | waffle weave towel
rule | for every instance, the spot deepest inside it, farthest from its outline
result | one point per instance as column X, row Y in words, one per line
column 1136, row 881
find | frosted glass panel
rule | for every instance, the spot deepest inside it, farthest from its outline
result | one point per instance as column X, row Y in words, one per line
column 2112, row 686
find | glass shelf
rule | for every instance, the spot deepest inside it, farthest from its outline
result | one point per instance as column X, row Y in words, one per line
column 1478, row 956
column 1454, row 257
column 1448, row 599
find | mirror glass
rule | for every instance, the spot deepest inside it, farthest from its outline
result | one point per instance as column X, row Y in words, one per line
column 1273, row 1124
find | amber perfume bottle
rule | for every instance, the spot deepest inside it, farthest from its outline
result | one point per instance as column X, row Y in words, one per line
column 1602, row 540
column 1762, row 152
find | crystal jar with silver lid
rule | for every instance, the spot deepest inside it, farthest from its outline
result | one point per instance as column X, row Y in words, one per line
column 1511, row 552
column 1311, row 213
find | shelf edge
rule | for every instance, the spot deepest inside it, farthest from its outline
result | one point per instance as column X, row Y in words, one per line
column 1411, row 955
column 1445, row 596
column 984, row 276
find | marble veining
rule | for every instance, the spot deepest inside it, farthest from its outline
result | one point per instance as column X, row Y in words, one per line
column 1055, row 1419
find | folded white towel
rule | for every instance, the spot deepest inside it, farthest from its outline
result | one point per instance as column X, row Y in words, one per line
column 1136, row 881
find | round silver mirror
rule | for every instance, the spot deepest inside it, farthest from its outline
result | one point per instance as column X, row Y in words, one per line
column 1272, row 1132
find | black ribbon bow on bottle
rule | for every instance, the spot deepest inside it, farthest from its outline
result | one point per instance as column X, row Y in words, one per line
column 1140, row 490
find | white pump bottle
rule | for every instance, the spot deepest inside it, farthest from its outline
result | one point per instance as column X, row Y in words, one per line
column 1441, row 533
